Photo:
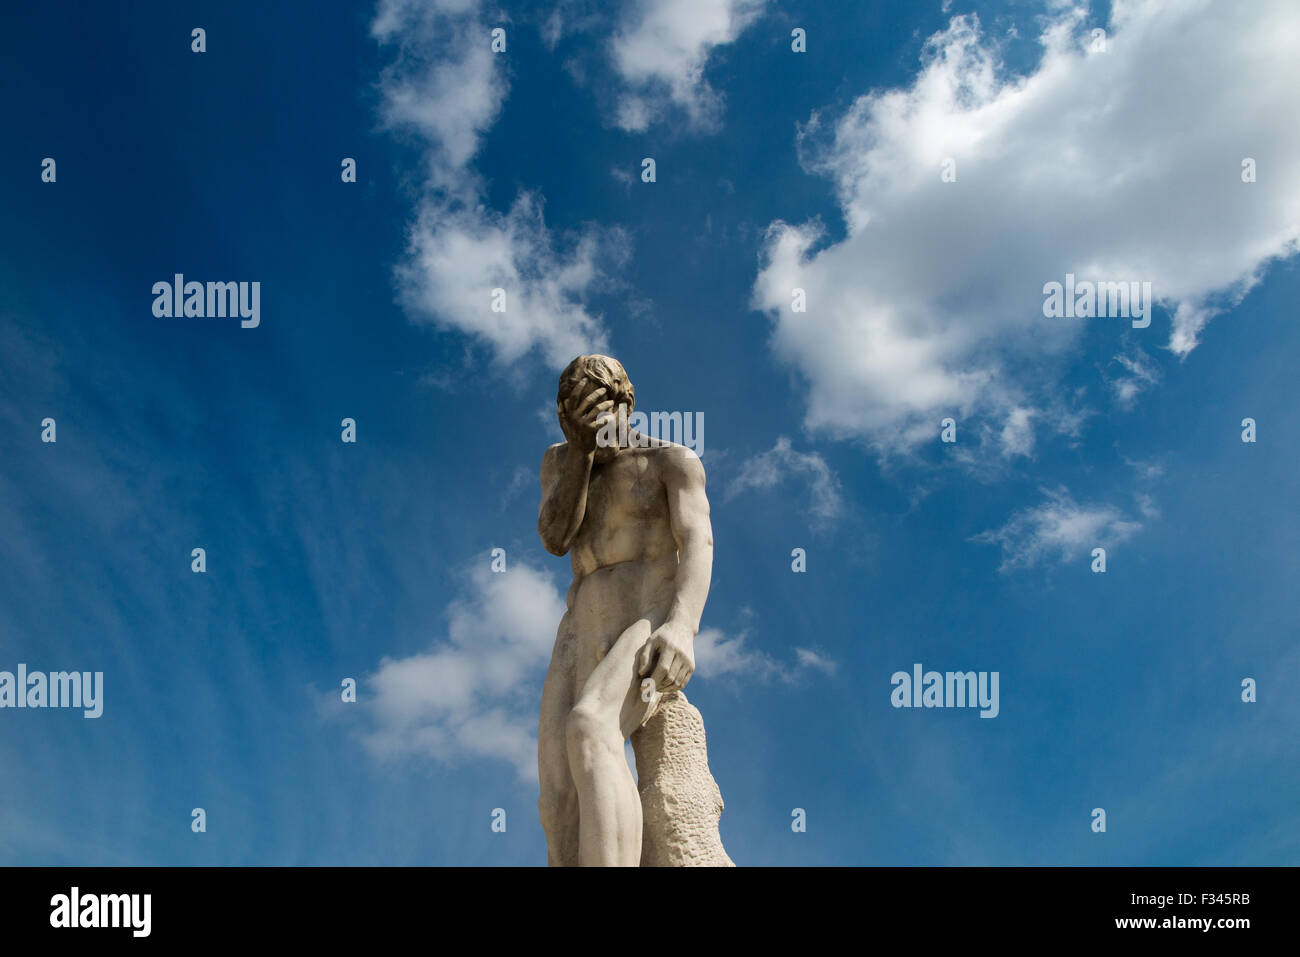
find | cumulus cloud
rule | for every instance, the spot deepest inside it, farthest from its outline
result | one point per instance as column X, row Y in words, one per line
column 446, row 87
column 661, row 49
column 475, row 693
column 780, row 463
column 444, row 84
column 1060, row 528
column 1122, row 165
column 458, row 256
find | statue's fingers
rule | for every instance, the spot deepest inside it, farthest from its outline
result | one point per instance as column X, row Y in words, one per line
column 590, row 398
column 644, row 659
column 598, row 411
column 662, row 666
column 575, row 395
column 681, row 672
column 663, row 669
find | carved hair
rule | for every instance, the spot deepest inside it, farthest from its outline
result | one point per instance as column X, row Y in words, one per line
column 602, row 370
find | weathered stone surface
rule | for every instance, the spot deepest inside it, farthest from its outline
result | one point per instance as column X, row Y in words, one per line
column 680, row 801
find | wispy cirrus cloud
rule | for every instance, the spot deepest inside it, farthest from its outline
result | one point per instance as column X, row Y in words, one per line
column 782, row 463
column 719, row 654
column 1061, row 529
column 1139, row 374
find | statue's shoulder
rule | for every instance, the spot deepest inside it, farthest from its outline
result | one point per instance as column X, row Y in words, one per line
column 551, row 460
column 677, row 459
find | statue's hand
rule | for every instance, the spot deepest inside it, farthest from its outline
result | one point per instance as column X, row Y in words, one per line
column 668, row 657
column 581, row 416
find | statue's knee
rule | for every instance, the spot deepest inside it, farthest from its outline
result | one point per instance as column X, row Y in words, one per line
column 580, row 727
column 586, row 733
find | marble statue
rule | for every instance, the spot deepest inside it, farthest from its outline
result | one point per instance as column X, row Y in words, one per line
column 632, row 515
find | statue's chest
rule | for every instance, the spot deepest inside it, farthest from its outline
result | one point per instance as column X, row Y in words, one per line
column 625, row 488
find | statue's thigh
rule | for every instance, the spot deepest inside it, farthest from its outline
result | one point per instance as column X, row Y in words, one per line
column 613, row 689
column 557, row 701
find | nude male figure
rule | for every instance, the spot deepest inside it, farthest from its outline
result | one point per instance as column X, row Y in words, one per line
column 635, row 522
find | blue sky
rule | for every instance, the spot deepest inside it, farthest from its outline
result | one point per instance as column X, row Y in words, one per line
column 774, row 170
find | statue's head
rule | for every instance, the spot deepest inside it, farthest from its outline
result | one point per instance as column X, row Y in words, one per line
column 596, row 371
column 604, row 371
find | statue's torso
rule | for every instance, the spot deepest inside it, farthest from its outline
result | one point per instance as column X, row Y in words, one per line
column 624, row 555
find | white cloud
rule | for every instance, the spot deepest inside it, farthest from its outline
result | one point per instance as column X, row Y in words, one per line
column 1060, row 528
column 660, row 52
column 476, row 693
column 818, row 661
column 1141, row 374
column 446, row 84
column 1145, row 470
column 773, row 467
column 447, row 87
column 1018, row 433
column 1122, row 165
column 458, row 256
column 719, row 655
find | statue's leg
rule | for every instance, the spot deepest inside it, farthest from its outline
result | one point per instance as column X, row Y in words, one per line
column 557, row 803
column 608, row 710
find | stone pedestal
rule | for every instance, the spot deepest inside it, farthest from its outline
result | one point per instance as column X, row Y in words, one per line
column 680, row 801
